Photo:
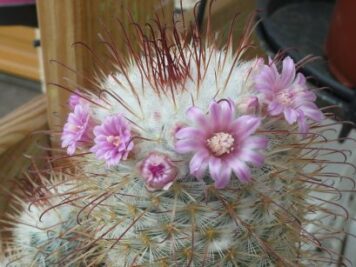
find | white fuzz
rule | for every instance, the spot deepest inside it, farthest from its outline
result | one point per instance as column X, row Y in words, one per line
column 39, row 235
column 157, row 115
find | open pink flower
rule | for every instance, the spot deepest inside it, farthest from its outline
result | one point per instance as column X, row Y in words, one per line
column 113, row 140
column 221, row 143
column 78, row 129
column 286, row 93
column 158, row 171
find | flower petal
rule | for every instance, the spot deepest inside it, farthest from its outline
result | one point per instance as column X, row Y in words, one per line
column 219, row 173
column 71, row 150
column 227, row 110
column 241, row 170
column 245, row 126
column 265, row 80
column 308, row 96
column 300, row 79
column 197, row 116
column 189, row 132
column 215, row 165
column 186, row 146
column 290, row 115
column 310, row 110
column 221, row 114
column 256, row 142
column 252, row 157
column 199, row 163
column 224, row 178
column 274, row 108
column 288, row 72
column 214, row 109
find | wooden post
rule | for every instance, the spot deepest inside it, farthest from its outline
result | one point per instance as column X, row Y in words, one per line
column 64, row 22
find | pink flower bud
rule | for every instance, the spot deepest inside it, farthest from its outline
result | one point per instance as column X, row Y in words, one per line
column 249, row 106
column 158, row 171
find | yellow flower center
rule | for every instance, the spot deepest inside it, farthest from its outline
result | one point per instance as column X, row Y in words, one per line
column 115, row 140
column 221, row 143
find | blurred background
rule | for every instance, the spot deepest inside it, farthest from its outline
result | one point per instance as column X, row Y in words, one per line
column 32, row 33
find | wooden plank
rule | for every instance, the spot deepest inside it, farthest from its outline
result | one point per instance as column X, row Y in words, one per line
column 20, row 33
column 17, row 54
column 20, row 123
column 64, row 22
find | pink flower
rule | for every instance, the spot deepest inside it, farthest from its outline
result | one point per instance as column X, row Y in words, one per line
column 158, row 171
column 113, row 140
column 75, row 99
column 221, row 143
column 78, row 129
column 287, row 93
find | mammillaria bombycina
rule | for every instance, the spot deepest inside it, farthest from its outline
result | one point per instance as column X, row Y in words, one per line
column 195, row 157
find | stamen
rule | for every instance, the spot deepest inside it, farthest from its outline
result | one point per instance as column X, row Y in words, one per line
column 285, row 97
column 115, row 140
column 221, row 143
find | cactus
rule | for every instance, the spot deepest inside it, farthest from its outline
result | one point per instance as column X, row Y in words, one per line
column 190, row 156
column 44, row 232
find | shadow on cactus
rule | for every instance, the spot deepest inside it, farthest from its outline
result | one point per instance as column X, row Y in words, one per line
column 188, row 155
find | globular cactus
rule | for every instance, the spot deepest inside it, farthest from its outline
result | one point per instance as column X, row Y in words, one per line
column 44, row 232
column 190, row 156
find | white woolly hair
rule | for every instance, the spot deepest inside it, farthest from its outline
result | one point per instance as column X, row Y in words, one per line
column 40, row 230
column 155, row 114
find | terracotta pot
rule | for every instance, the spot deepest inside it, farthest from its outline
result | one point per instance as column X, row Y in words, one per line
column 341, row 42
